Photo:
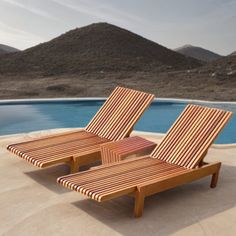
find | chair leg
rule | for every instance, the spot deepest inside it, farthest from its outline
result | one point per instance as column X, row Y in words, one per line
column 74, row 167
column 214, row 179
column 139, row 204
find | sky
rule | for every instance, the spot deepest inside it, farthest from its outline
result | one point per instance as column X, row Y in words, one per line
column 210, row 24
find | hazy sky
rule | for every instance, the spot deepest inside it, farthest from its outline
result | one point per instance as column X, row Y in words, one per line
column 172, row 23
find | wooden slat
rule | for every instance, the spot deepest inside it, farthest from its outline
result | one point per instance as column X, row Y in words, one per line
column 38, row 144
column 119, row 113
column 191, row 135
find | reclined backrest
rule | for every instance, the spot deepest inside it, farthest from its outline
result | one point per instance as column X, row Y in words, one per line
column 119, row 113
column 188, row 140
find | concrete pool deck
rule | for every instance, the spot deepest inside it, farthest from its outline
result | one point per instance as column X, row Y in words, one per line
column 32, row 203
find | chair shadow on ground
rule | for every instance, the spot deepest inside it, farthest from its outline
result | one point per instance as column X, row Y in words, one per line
column 169, row 211
column 48, row 176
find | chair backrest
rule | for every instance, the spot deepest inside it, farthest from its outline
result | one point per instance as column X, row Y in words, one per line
column 188, row 140
column 119, row 113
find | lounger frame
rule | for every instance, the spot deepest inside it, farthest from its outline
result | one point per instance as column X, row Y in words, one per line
column 154, row 187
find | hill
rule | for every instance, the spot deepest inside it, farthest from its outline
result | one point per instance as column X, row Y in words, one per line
column 224, row 67
column 92, row 60
column 7, row 49
column 233, row 53
column 96, row 47
column 198, row 53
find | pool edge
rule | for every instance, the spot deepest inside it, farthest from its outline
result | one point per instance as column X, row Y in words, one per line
column 37, row 100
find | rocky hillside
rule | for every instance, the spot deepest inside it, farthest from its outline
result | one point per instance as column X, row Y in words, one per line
column 233, row 53
column 224, row 68
column 92, row 60
column 98, row 47
column 198, row 53
column 7, row 49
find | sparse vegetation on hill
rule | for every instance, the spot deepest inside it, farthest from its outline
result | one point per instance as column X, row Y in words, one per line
column 224, row 68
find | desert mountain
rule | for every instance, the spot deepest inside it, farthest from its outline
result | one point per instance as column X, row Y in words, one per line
column 97, row 47
column 198, row 53
column 7, row 49
column 223, row 68
column 233, row 53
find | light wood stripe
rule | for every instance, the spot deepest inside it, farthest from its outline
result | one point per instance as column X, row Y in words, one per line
column 63, row 151
column 34, row 143
column 51, row 141
column 119, row 113
column 107, row 108
column 191, row 135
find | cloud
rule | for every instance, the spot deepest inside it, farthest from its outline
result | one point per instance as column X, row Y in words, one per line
column 13, row 36
column 30, row 9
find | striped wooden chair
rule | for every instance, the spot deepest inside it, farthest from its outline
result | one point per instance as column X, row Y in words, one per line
column 114, row 121
column 177, row 160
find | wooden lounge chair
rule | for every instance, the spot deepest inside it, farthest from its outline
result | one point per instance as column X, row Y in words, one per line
column 114, row 121
column 178, row 159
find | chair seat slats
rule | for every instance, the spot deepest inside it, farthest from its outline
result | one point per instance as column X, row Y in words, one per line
column 123, row 176
column 57, row 149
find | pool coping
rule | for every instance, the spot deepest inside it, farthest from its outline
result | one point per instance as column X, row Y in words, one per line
column 36, row 100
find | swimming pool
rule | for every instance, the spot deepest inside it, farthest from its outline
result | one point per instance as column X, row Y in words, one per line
column 26, row 116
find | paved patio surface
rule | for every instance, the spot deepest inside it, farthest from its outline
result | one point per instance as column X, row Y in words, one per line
column 32, row 203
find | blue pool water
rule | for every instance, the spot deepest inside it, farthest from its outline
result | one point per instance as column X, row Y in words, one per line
column 28, row 116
